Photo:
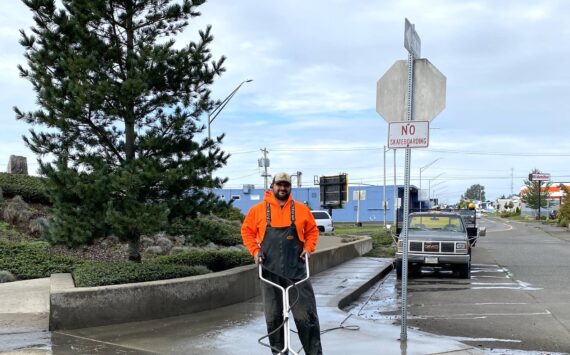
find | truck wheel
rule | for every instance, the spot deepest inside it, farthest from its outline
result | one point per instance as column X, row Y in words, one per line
column 414, row 271
column 465, row 271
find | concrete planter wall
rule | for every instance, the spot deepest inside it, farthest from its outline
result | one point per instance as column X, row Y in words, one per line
column 72, row 307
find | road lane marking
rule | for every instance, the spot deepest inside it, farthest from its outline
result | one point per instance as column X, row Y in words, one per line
column 483, row 315
column 487, row 339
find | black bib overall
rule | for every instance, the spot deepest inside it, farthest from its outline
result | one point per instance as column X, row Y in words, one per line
column 281, row 250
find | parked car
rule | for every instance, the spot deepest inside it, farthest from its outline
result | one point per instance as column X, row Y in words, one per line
column 436, row 239
column 324, row 221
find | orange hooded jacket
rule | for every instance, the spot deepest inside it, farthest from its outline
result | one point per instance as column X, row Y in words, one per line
column 254, row 225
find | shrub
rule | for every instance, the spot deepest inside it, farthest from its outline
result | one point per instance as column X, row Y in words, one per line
column 37, row 225
column 215, row 260
column 204, row 230
column 31, row 188
column 230, row 213
column 6, row 276
column 32, row 260
column 99, row 274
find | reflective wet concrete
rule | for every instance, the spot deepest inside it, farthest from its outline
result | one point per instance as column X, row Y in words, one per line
column 237, row 328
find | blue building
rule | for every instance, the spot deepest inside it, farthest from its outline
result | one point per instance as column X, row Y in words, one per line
column 371, row 198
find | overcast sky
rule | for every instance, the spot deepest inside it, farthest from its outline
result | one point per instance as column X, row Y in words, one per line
column 315, row 65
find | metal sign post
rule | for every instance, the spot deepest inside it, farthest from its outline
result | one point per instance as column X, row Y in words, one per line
column 404, row 313
column 540, row 177
column 399, row 101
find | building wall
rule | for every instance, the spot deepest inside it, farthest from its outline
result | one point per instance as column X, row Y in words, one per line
column 370, row 206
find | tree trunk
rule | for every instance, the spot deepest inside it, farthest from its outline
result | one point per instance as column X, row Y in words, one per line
column 134, row 254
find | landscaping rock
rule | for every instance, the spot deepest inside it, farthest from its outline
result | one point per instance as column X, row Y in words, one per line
column 6, row 276
column 164, row 243
column 17, row 210
column 147, row 242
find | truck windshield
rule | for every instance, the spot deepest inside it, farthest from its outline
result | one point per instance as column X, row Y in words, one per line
column 436, row 223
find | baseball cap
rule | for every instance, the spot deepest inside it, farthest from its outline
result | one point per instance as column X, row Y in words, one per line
column 282, row 177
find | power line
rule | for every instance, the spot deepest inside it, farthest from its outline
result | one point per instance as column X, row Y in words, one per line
column 450, row 151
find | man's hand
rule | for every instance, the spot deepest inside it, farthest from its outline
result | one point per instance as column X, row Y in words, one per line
column 305, row 255
column 257, row 258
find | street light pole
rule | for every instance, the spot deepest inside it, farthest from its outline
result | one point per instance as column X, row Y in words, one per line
column 429, row 187
column 422, row 169
column 216, row 111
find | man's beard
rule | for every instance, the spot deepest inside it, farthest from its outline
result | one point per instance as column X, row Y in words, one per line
column 282, row 197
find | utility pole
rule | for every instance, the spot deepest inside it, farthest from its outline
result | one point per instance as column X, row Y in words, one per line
column 512, row 182
column 358, row 224
column 264, row 164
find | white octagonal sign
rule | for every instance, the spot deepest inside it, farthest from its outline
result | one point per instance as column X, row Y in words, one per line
column 429, row 92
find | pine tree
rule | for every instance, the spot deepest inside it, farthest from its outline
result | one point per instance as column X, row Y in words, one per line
column 475, row 192
column 534, row 189
column 119, row 111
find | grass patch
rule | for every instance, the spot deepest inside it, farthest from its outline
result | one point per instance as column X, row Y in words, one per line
column 382, row 245
column 381, row 240
column 351, row 228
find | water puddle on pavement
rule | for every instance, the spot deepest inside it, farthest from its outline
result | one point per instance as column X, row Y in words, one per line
column 382, row 302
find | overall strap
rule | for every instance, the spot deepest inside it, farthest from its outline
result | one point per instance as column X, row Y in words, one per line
column 292, row 212
column 268, row 214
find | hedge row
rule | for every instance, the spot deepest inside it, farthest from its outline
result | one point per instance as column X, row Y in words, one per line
column 98, row 274
column 31, row 188
column 32, row 260
column 215, row 260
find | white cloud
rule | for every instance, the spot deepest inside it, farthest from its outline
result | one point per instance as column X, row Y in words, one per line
column 315, row 65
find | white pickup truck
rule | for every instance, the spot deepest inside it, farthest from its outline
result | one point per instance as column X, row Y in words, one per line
column 324, row 221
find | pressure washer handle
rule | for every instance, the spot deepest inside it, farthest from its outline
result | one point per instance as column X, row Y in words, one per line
column 306, row 259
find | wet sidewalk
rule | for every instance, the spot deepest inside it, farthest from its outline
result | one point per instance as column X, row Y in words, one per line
column 235, row 329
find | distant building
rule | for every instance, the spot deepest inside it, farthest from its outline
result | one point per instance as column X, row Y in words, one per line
column 371, row 198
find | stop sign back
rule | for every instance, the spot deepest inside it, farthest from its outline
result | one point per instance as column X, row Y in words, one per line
column 429, row 92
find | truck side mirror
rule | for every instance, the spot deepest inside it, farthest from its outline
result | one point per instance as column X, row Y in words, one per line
column 482, row 231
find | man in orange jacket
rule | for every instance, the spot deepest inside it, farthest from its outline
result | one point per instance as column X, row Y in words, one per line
column 281, row 232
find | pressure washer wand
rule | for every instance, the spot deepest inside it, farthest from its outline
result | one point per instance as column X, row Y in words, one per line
column 286, row 305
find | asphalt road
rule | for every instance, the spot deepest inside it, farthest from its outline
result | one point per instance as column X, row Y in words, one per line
column 517, row 298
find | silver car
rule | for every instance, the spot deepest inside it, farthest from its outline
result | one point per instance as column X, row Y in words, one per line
column 436, row 240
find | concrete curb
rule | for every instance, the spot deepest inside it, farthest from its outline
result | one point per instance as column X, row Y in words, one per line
column 344, row 299
column 72, row 307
